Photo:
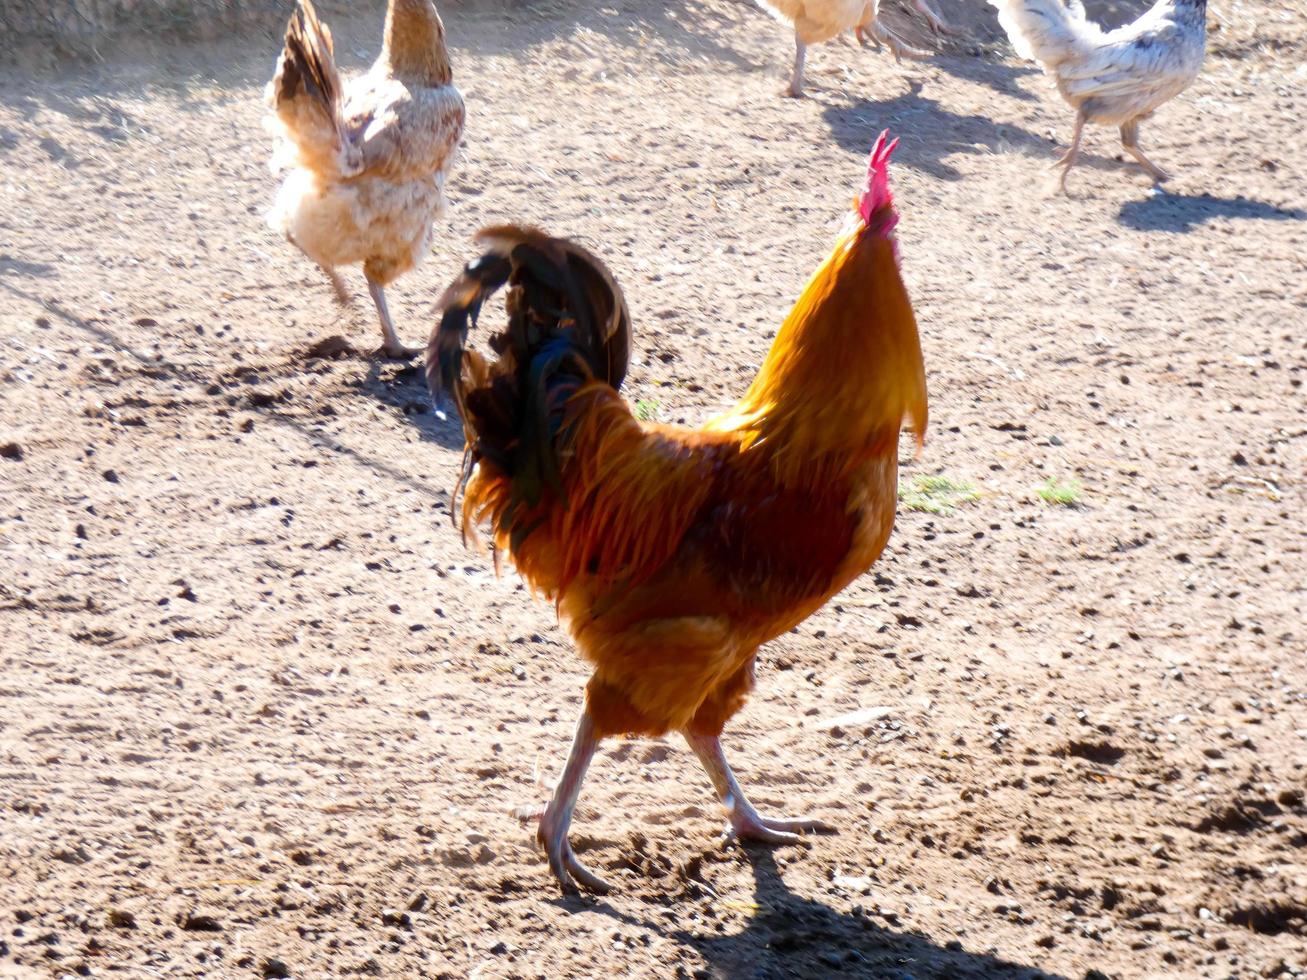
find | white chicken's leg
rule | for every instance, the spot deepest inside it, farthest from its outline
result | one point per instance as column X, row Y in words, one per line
column 796, row 76
column 552, row 832
column 746, row 824
column 392, row 347
column 1130, row 140
column 1068, row 159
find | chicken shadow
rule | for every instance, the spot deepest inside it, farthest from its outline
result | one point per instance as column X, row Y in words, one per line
column 937, row 132
column 998, row 75
column 11, row 265
column 794, row 936
column 681, row 33
column 404, row 387
column 1183, row 213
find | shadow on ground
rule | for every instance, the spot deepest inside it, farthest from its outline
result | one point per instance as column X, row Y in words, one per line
column 792, row 936
column 1183, row 213
column 405, row 387
column 937, row 132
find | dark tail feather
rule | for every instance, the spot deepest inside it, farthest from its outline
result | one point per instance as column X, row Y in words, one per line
column 567, row 324
column 308, row 66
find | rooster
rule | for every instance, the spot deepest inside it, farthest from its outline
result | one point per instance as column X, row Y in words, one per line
column 367, row 160
column 1114, row 78
column 820, row 20
column 673, row 553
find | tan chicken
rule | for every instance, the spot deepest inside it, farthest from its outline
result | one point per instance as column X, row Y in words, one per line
column 366, row 161
column 1114, row 78
column 820, row 20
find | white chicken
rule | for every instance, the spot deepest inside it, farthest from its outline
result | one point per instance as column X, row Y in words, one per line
column 820, row 20
column 367, row 160
column 1113, row 78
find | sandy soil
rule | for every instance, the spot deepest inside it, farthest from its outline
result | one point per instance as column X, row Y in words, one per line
column 262, row 715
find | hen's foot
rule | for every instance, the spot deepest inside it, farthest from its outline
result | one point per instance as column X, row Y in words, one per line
column 938, row 25
column 398, row 352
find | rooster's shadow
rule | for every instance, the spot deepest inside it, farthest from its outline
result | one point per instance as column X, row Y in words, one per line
column 793, row 936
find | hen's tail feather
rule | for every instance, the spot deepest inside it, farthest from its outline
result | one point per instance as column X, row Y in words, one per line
column 308, row 62
column 567, row 325
column 306, row 95
column 1046, row 31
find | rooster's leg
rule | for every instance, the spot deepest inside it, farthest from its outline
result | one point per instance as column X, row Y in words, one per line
column 1130, row 140
column 552, row 833
column 1068, row 159
column 796, row 77
column 392, row 347
column 746, row 824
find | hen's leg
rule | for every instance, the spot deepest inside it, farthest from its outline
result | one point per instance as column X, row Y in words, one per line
column 392, row 347
column 795, row 90
column 1130, row 140
column 937, row 23
column 746, row 824
column 552, row 833
column 337, row 286
column 1068, row 159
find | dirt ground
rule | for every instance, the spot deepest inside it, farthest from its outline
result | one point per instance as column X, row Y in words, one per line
column 262, row 715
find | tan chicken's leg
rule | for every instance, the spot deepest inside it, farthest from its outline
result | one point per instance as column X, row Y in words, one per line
column 866, row 36
column 338, row 286
column 1130, row 140
column 937, row 23
column 874, row 31
column 746, row 824
column 795, row 90
column 392, row 347
column 1068, row 159
column 552, row 832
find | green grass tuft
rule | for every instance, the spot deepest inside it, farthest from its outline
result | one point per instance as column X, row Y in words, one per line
column 936, row 494
column 1061, row 494
column 647, row 409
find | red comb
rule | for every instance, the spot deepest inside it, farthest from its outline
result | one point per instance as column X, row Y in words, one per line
column 875, row 193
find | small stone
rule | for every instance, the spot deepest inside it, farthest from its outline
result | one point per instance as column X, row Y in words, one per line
column 110, row 475
column 419, row 902
column 275, row 968
column 122, row 919
column 12, row 450
column 194, row 922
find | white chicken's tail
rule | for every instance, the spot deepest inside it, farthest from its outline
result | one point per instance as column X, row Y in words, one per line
column 305, row 96
column 1047, row 31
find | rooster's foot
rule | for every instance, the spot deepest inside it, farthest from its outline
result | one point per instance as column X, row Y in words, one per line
column 566, row 866
column 554, row 822
column 748, row 825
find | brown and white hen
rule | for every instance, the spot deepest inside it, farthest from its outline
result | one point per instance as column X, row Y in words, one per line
column 366, row 161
